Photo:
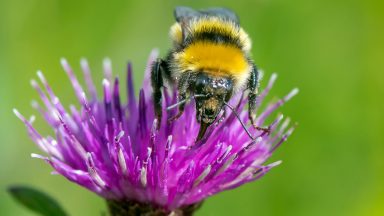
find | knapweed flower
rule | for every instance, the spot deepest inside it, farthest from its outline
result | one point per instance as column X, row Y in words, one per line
column 112, row 148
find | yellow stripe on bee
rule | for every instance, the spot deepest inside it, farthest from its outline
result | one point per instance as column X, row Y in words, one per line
column 211, row 24
column 214, row 24
column 176, row 34
column 215, row 59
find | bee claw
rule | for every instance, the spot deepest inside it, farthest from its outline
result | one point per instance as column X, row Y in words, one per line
column 266, row 130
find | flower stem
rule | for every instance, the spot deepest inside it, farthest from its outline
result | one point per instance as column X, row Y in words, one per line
column 128, row 208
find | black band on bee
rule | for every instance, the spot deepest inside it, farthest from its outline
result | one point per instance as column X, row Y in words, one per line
column 214, row 37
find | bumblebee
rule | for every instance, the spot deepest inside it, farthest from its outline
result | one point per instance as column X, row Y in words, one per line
column 210, row 61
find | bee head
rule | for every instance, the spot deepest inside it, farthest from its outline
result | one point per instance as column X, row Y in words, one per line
column 217, row 90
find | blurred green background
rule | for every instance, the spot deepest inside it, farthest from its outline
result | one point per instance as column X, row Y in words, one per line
column 332, row 50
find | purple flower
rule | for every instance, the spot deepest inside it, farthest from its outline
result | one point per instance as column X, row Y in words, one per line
column 111, row 147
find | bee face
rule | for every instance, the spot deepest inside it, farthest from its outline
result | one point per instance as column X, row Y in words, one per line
column 217, row 90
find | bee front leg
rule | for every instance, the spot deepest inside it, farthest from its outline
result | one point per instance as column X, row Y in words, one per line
column 182, row 95
column 157, row 74
column 181, row 108
column 253, row 85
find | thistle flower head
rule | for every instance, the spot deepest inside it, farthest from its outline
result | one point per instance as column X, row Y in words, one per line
column 112, row 148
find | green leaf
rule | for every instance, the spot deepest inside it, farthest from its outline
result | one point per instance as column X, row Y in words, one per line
column 36, row 201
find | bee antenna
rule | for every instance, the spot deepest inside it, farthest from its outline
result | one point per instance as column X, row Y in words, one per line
column 238, row 117
column 184, row 101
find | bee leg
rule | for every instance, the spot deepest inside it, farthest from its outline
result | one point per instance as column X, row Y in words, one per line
column 253, row 85
column 181, row 109
column 182, row 89
column 157, row 74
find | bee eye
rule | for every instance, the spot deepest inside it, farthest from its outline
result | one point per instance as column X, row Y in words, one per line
column 201, row 83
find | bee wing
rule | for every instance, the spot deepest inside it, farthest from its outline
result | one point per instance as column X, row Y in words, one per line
column 183, row 14
column 221, row 12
